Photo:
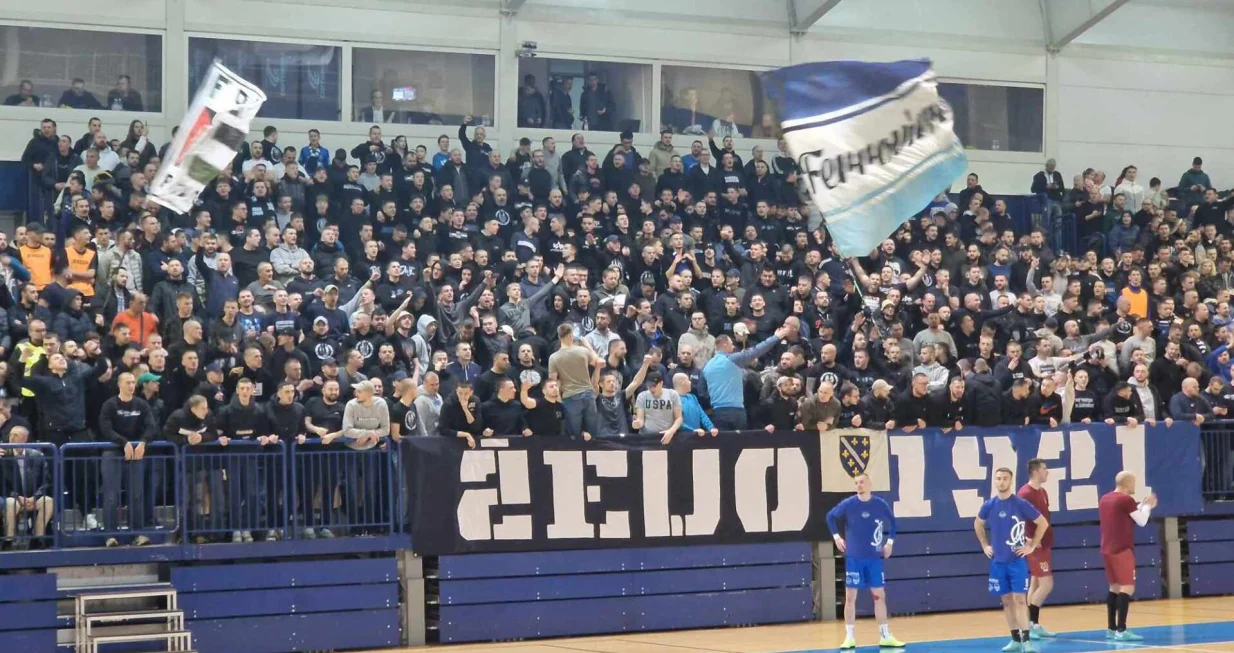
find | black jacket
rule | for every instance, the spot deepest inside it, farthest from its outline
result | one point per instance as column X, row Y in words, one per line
column 984, row 399
column 241, row 422
column 127, row 421
column 452, row 421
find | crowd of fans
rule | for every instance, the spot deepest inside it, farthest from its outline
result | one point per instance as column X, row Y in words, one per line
column 560, row 292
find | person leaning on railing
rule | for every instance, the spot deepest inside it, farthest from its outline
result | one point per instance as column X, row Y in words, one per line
column 189, row 428
column 128, row 421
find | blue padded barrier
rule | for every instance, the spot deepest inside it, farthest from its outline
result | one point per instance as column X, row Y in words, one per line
column 356, row 629
column 496, row 621
column 643, row 583
column 1200, row 530
column 505, row 565
column 284, row 574
column 1210, row 579
column 294, row 600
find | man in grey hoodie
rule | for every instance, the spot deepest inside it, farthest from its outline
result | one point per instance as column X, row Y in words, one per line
column 428, row 403
column 426, row 336
column 287, row 256
column 516, row 312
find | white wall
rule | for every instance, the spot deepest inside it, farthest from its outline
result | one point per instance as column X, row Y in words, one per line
column 1106, row 105
column 1156, row 116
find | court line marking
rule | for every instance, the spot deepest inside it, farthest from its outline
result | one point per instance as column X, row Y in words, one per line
column 1136, row 646
column 676, row 646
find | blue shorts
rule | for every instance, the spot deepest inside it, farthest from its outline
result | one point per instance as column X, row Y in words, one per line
column 860, row 573
column 1009, row 577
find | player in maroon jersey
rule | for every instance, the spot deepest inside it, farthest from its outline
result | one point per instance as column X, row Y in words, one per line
column 1041, row 561
column 1119, row 514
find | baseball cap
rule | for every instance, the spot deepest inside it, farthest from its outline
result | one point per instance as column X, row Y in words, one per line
column 328, row 360
column 330, row 287
column 285, row 331
column 320, row 320
column 648, row 279
column 614, row 238
column 147, row 377
column 216, row 366
column 733, row 272
column 880, row 385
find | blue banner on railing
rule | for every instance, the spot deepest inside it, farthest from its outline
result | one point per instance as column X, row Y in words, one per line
column 529, row 494
column 938, row 481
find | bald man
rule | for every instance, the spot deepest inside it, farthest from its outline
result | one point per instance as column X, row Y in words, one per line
column 1119, row 513
column 1189, row 404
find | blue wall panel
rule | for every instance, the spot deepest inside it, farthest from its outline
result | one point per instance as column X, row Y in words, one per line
column 28, row 641
column 252, row 603
column 1210, row 529
column 682, row 581
column 309, row 632
column 284, row 574
column 505, row 565
column 1211, row 579
column 627, row 614
column 32, row 587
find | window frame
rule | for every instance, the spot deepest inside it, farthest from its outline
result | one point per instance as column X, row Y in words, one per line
column 417, row 130
column 1007, row 156
column 108, row 29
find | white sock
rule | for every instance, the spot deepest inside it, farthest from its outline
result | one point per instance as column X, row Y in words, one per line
column 848, row 631
column 884, row 631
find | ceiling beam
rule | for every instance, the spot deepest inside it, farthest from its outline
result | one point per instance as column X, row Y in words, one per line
column 511, row 7
column 1047, row 24
column 803, row 18
column 1097, row 17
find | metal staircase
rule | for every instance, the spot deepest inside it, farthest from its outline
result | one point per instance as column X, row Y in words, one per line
column 100, row 621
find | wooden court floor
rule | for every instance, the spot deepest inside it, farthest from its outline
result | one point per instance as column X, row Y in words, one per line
column 1184, row 625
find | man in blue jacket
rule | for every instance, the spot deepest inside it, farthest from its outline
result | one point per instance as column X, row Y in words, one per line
column 724, row 380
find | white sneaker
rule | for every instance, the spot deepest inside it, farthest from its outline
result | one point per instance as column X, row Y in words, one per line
column 92, row 522
column 236, row 537
column 272, row 536
column 247, row 535
column 141, row 540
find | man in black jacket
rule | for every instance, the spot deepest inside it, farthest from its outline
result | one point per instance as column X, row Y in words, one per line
column 503, row 414
column 984, row 396
column 913, row 406
column 245, row 420
column 128, row 421
column 461, row 415
column 948, row 407
column 40, row 148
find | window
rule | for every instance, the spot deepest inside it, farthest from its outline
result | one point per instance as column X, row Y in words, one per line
column 300, row 81
column 80, row 69
column 619, row 101
column 422, row 88
column 725, row 101
column 1008, row 118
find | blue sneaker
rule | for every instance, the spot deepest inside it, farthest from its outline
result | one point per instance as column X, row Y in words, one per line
column 1111, row 634
column 1012, row 647
column 1027, row 647
column 1039, row 632
column 1127, row 636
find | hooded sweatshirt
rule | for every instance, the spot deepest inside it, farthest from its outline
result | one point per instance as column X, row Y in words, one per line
column 661, row 156
column 421, row 341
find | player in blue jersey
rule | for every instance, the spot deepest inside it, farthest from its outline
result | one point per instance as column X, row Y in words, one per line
column 1007, row 516
column 869, row 532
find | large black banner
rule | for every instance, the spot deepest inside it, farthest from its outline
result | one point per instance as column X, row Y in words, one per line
column 543, row 493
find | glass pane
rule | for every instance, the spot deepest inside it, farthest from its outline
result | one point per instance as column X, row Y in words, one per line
column 300, row 81
column 592, row 95
column 1008, row 118
column 80, row 69
column 727, row 102
column 422, row 88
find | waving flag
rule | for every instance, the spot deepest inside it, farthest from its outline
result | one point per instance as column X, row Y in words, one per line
column 213, row 129
column 874, row 142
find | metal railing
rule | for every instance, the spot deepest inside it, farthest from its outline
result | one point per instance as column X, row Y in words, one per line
column 1217, row 448
column 28, row 482
column 237, row 491
column 89, row 494
column 104, row 494
column 337, row 490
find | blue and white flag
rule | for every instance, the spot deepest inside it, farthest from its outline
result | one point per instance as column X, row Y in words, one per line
column 874, row 142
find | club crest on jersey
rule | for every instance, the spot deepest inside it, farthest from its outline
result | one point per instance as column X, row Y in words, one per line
column 1017, row 532
column 855, row 453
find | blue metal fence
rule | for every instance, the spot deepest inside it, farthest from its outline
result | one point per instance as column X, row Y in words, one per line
column 237, row 491
column 1217, row 442
column 337, row 490
column 91, row 494
column 108, row 494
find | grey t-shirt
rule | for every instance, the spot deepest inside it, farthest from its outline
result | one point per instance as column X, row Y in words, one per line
column 657, row 411
column 572, row 365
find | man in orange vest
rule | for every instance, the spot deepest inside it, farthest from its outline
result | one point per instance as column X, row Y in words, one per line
column 82, row 262
column 36, row 257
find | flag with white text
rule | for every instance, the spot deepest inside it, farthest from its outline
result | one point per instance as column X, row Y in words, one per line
column 874, row 142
